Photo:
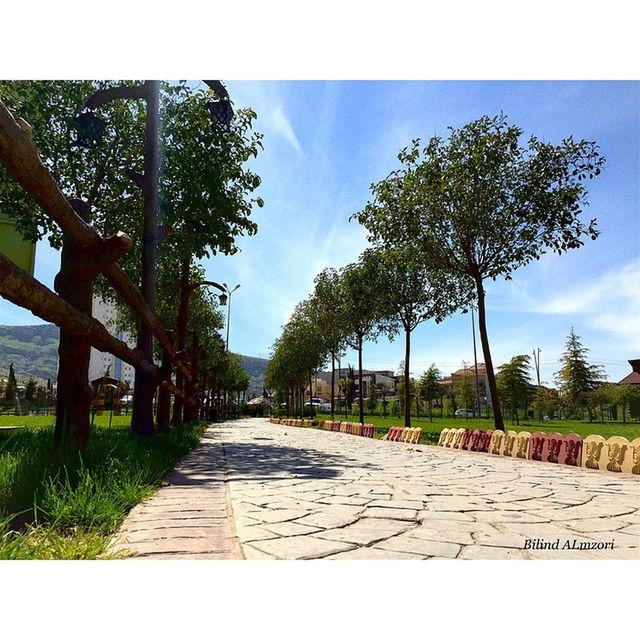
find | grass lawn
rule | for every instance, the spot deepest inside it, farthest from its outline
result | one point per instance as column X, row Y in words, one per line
column 47, row 421
column 68, row 504
column 431, row 430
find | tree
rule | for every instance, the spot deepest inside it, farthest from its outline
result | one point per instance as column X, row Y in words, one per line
column 361, row 308
column 11, row 390
column 464, row 391
column 514, row 383
column 481, row 205
column 626, row 395
column 546, row 402
column 576, row 378
column 30, row 392
column 372, row 399
column 413, row 290
column 93, row 181
column 603, row 395
column 329, row 318
column 430, row 387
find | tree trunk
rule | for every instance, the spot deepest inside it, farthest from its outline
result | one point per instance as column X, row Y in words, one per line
column 407, row 389
column 360, row 394
column 163, row 414
column 191, row 399
column 333, row 378
column 74, row 392
column 181, row 336
column 491, row 378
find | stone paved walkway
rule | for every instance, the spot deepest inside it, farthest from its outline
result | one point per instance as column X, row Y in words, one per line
column 304, row 493
column 189, row 517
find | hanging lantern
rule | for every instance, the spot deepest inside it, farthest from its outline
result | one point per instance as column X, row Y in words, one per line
column 89, row 128
column 221, row 112
column 21, row 252
column 223, row 299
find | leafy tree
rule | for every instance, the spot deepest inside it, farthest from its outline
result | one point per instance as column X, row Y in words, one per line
column 481, row 205
column 331, row 326
column 361, row 308
column 413, row 290
column 430, row 388
column 465, row 391
column 296, row 354
column 346, row 384
column 514, row 383
column 546, row 402
column 576, row 378
column 602, row 396
column 626, row 395
column 30, row 392
column 372, row 399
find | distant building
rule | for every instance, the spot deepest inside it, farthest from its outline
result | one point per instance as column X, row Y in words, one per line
column 483, row 383
column 634, row 376
column 101, row 363
column 382, row 379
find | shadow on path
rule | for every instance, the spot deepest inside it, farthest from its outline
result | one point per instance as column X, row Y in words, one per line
column 260, row 459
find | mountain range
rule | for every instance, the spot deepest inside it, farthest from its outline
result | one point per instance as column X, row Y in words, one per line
column 33, row 349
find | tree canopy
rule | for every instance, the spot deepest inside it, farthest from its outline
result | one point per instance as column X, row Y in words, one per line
column 481, row 204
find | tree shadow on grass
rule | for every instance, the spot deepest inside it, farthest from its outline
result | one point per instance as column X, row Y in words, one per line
column 260, row 459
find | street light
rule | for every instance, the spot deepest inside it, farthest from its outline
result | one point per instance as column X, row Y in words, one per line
column 229, row 292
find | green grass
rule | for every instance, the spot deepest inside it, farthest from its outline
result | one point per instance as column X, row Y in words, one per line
column 69, row 504
column 47, row 421
column 431, row 430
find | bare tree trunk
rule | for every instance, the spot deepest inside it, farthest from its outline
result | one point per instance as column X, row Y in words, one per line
column 181, row 338
column 333, row 381
column 74, row 396
column 491, row 378
column 360, row 394
column 163, row 412
column 191, row 400
column 407, row 389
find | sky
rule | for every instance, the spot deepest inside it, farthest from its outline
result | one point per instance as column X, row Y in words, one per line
column 326, row 142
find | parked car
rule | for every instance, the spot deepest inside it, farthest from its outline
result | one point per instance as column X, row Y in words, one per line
column 464, row 413
column 319, row 405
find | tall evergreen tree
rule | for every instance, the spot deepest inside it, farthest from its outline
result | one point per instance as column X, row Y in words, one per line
column 11, row 389
column 514, row 383
column 576, row 378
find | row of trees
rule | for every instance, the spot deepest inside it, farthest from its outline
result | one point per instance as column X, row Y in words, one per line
column 204, row 201
column 460, row 210
column 35, row 395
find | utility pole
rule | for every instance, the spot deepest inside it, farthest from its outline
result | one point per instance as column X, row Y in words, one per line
column 536, row 360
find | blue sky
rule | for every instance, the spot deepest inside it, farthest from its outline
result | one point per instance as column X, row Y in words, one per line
column 326, row 142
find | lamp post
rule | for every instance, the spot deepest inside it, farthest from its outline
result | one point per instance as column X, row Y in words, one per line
column 91, row 128
column 228, row 292
column 90, row 131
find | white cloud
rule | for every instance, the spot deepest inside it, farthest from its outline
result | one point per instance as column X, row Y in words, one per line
column 276, row 120
column 610, row 303
column 265, row 99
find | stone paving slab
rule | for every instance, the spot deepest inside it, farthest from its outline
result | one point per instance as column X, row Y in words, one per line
column 307, row 493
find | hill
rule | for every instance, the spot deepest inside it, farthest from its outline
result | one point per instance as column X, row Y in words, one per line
column 33, row 349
